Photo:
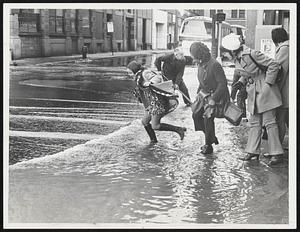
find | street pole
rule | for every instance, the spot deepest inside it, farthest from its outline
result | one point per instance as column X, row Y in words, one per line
column 219, row 41
column 220, row 17
column 111, row 44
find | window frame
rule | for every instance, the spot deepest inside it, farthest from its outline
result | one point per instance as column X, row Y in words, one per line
column 29, row 18
column 54, row 18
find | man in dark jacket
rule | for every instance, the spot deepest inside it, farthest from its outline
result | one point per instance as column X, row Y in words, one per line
column 173, row 69
column 212, row 85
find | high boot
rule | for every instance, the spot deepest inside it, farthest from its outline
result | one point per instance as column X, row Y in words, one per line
column 168, row 127
column 151, row 133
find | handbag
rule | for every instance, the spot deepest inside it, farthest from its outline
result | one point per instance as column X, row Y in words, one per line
column 233, row 113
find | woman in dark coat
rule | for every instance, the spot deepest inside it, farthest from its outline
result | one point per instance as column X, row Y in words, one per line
column 213, row 85
column 157, row 103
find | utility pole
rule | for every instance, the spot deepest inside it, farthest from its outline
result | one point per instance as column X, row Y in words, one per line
column 110, row 30
column 220, row 17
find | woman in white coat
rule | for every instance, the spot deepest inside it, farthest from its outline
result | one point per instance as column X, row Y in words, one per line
column 259, row 76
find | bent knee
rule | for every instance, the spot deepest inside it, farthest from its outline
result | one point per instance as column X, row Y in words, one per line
column 155, row 126
column 145, row 121
column 270, row 122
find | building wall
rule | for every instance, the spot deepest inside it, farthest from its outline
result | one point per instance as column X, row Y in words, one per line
column 64, row 32
column 252, row 21
column 159, row 29
column 143, row 29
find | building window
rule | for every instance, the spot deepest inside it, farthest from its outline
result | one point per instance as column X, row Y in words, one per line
column 219, row 11
column 29, row 21
column 233, row 14
column 212, row 13
column 201, row 12
column 73, row 21
column 241, row 14
column 86, row 21
column 56, row 21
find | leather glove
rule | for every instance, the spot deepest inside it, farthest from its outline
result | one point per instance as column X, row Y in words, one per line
column 208, row 111
column 176, row 86
column 234, row 88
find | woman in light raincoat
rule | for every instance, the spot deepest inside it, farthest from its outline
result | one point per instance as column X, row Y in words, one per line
column 157, row 102
column 259, row 76
column 281, row 41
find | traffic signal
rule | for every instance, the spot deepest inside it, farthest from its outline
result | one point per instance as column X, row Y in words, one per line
column 220, row 17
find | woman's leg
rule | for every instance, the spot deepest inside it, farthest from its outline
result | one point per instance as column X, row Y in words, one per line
column 254, row 137
column 281, row 115
column 210, row 136
column 146, row 122
column 274, row 143
column 157, row 125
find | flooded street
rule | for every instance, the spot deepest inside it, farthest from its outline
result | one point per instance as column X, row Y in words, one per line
column 79, row 154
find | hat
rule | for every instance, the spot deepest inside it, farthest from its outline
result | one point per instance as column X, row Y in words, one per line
column 134, row 66
column 231, row 42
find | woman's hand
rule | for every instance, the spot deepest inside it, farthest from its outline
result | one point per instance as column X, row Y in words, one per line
column 234, row 88
column 176, row 86
column 146, row 83
column 211, row 103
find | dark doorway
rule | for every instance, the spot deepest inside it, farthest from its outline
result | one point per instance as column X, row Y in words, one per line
column 74, row 46
column 144, row 34
column 129, row 33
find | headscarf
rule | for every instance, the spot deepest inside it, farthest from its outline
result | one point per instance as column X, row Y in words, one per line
column 134, row 66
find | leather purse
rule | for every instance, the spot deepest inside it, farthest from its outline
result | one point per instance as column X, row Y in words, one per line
column 233, row 113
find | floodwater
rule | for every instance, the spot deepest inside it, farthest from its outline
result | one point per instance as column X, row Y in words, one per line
column 113, row 175
column 54, row 106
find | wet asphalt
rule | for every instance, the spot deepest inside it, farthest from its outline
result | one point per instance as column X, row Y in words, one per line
column 78, row 120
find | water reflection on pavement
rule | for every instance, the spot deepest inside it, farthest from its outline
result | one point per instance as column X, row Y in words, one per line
column 121, row 178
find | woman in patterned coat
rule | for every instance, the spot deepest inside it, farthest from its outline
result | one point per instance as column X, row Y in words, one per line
column 157, row 102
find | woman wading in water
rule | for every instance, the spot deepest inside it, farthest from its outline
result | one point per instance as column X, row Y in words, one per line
column 157, row 102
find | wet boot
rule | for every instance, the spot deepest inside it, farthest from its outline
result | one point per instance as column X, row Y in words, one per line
column 151, row 133
column 168, row 127
column 207, row 149
column 215, row 142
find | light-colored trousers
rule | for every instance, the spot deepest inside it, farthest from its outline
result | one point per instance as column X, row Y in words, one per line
column 256, row 121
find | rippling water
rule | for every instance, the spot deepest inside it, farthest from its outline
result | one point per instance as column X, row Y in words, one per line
column 119, row 177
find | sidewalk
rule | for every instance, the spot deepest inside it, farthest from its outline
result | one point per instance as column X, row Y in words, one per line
column 39, row 60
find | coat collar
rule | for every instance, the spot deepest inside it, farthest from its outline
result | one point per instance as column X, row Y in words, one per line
column 245, row 51
column 204, row 65
column 285, row 43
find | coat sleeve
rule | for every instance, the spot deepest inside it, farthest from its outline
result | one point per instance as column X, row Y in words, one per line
column 158, row 61
column 282, row 57
column 221, row 82
column 271, row 65
column 179, row 75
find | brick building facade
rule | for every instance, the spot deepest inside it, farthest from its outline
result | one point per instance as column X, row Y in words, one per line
column 55, row 32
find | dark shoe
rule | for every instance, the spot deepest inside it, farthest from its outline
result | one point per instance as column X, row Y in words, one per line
column 215, row 142
column 249, row 157
column 179, row 130
column 267, row 155
column 207, row 149
column 275, row 159
column 151, row 133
